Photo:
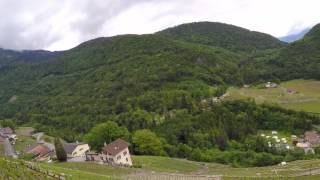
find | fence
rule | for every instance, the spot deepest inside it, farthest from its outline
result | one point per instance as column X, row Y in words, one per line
column 171, row 177
column 43, row 171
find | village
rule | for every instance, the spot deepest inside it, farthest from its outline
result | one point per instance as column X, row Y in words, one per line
column 115, row 153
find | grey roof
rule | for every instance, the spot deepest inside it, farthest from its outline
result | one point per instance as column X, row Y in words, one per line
column 70, row 147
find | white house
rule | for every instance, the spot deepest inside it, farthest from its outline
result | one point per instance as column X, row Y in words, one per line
column 76, row 149
column 117, row 153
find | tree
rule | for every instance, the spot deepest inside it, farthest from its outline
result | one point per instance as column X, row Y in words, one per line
column 8, row 123
column 147, row 143
column 105, row 133
column 221, row 90
column 60, row 152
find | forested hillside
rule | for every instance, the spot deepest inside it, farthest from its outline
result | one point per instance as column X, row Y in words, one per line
column 300, row 59
column 164, row 83
column 223, row 35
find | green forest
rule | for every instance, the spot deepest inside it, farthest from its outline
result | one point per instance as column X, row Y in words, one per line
column 154, row 91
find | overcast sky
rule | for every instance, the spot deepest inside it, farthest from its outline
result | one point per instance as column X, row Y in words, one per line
column 63, row 24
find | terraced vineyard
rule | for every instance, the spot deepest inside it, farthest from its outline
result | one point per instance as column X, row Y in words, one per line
column 14, row 170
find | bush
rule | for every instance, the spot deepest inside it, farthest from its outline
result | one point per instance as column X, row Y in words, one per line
column 147, row 143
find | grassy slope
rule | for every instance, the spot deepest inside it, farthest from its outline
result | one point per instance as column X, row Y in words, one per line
column 161, row 165
column 306, row 98
column 180, row 166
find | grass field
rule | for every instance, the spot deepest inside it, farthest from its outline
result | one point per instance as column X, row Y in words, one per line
column 302, row 95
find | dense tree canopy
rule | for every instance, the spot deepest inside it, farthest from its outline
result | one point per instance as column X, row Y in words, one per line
column 105, row 133
column 146, row 142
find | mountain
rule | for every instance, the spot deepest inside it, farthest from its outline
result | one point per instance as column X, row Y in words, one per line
column 223, row 35
column 27, row 55
column 139, row 80
column 162, row 86
column 294, row 37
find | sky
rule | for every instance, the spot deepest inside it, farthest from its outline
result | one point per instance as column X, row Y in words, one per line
column 64, row 24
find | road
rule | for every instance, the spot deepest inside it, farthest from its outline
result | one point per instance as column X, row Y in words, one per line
column 8, row 149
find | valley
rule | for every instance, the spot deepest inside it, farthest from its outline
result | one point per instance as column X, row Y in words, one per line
column 159, row 97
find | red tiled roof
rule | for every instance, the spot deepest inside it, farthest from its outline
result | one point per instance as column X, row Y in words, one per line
column 38, row 150
column 311, row 136
column 115, row 147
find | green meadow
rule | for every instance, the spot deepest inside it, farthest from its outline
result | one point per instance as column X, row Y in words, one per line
column 301, row 95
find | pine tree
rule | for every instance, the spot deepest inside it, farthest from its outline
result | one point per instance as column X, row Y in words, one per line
column 60, row 152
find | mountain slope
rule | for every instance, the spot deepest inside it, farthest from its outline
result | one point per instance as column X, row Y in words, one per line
column 223, row 35
column 138, row 80
column 301, row 59
column 108, row 75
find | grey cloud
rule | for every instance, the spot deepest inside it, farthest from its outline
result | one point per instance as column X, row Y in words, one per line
column 27, row 24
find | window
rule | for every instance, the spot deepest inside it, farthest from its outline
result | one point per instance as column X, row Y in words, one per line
column 118, row 157
column 127, row 159
column 80, row 149
column 125, row 153
column 110, row 159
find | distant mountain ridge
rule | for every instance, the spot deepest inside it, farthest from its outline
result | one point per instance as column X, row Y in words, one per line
column 294, row 37
column 27, row 55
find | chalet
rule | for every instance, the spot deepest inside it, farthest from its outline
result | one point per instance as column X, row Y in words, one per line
column 312, row 137
column 76, row 149
column 117, row 153
column 6, row 132
column 40, row 151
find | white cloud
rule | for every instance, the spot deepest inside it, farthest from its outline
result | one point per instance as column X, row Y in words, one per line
column 57, row 25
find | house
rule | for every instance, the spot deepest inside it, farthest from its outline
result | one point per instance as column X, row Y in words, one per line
column 39, row 151
column 7, row 132
column 76, row 149
column 117, row 153
column 312, row 137
column 93, row 156
column 306, row 146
